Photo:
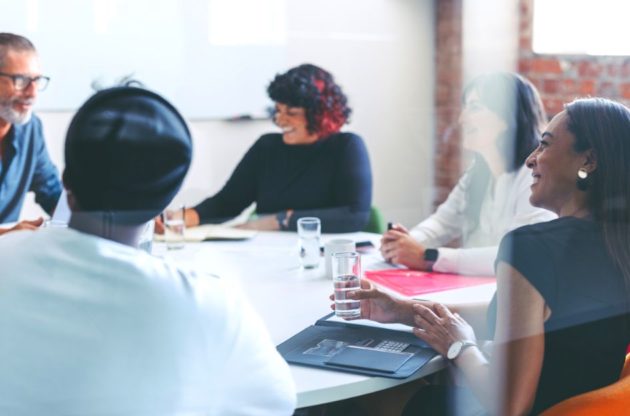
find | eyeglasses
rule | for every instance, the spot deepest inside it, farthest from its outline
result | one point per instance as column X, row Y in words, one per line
column 22, row 82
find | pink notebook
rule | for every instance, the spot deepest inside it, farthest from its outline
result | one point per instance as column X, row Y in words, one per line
column 412, row 282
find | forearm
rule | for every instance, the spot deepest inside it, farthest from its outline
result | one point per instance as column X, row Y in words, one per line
column 478, row 261
column 215, row 210
column 404, row 311
column 476, row 369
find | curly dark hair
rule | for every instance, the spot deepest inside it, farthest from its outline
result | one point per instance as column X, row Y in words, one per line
column 313, row 89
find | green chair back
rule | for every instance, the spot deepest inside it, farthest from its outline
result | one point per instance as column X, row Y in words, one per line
column 376, row 222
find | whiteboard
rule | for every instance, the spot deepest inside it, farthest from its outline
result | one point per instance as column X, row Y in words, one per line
column 203, row 55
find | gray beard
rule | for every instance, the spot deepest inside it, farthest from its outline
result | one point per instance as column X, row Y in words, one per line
column 13, row 117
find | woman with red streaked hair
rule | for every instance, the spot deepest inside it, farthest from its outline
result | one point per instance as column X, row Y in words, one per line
column 310, row 169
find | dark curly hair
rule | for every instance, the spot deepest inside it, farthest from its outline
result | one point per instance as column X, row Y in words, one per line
column 313, row 89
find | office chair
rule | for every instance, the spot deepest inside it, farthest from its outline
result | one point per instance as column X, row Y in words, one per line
column 376, row 222
column 610, row 400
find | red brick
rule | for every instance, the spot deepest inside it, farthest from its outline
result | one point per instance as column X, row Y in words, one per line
column 546, row 65
column 569, row 86
column 525, row 42
column 624, row 90
column 625, row 69
column 590, row 69
column 613, row 69
column 553, row 106
column 551, row 86
column 606, row 89
column 538, row 83
column 524, row 66
column 587, row 87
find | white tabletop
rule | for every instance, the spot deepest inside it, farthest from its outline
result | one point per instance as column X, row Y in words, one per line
column 289, row 299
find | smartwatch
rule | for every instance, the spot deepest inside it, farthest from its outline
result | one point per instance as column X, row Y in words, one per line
column 457, row 347
column 430, row 257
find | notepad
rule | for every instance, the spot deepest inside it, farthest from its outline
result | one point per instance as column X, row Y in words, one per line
column 414, row 282
column 211, row 232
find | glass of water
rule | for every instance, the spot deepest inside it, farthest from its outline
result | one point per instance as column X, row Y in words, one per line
column 174, row 227
column 346, row 273
column 309, row 232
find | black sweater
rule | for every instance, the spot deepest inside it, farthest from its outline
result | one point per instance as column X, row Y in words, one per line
column 330, row 179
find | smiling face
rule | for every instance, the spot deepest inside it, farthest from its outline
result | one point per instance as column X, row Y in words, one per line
column 481, row 126
column 16, row 105
column 554, row 165
column 292, row 121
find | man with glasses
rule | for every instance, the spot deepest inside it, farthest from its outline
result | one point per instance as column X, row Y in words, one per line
column 24, row 162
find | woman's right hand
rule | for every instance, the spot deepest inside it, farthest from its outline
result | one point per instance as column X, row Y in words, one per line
column 375, row 304
column 392, row 234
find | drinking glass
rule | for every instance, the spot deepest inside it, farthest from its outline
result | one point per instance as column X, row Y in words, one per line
column 346, row 272
column 174, row 226
column 309, row 233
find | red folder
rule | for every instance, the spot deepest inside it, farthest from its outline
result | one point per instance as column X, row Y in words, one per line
column 413, row 282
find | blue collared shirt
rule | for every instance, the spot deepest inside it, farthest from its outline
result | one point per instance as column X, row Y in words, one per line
column 26, row 166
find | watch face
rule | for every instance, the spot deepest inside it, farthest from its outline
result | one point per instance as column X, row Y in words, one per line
column 454, row 350
column 431, row 254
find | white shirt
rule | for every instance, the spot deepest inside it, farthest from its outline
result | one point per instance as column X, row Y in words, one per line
column 505, row 207
column 92, row 327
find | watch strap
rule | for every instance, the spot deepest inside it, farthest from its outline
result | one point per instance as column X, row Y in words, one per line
column 464, row 345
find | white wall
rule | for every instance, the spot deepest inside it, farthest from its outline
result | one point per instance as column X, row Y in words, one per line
column 381, row 52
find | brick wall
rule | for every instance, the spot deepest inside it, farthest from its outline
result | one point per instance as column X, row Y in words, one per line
column 561, row 78
column 448, row 63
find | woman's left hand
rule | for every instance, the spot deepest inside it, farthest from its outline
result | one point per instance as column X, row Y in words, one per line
column 439, row 327
column 265, row 223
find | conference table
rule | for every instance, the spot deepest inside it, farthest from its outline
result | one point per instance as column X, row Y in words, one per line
column 289, row 298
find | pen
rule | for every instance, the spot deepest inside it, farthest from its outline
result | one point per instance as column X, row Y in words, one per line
column 390, row 226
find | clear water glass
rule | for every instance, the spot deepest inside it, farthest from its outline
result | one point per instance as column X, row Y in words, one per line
column 174, row 227
column 309, row 233
column 346, row 273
